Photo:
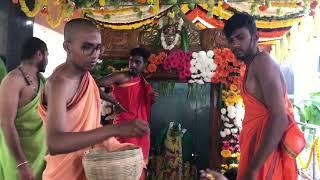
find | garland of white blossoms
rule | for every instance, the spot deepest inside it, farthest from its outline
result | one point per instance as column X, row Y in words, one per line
column 202, row 67
column 232, row 117
column 176, row 39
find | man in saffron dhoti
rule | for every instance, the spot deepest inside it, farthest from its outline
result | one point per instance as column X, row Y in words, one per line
column 71, row 107
column 270, row 138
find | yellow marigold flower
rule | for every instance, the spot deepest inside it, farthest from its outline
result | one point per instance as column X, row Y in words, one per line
column 238, row 99
column 238, row 156
column 226, row 153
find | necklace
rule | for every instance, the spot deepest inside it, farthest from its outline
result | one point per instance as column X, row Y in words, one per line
column 29, row 80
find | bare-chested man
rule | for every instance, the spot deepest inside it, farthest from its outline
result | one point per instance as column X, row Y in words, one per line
column 266, row 153
column 22, row 135
column 71, row 106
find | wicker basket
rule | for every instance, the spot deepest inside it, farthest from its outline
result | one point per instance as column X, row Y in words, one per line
column 100, row 164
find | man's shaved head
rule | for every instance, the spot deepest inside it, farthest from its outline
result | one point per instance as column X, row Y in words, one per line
column 76, row 25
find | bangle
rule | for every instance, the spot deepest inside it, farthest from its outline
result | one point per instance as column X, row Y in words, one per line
column 25, row 162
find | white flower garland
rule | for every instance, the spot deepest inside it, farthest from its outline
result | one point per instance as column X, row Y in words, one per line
column 176, row 39
column 234, row 113
column 202, row 67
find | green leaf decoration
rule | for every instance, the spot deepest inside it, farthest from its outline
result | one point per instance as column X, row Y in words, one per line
column 184, row 39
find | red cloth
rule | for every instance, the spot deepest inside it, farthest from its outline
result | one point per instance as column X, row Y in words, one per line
column 136, row 95
column 280, row 165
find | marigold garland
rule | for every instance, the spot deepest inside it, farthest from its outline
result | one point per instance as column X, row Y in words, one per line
column 229, row 70
column 37, row 7
column 155, row 60
column 64, row 13
column 226, row 153
column 314, row 148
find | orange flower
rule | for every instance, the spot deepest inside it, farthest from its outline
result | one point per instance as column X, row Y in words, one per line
column 152, row 56
column 226, row 153
column 157, row 61
column 152, row 68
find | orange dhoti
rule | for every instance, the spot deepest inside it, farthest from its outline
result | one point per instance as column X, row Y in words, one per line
column 281, row 163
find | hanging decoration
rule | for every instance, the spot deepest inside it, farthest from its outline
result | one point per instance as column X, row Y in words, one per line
column 66, row 11
column 229, row 70
column 232, row 114
column 155, row 61
column 37, row 7
column 229, row 73
column 202, row 67
column 178, row 61
column 127, row 17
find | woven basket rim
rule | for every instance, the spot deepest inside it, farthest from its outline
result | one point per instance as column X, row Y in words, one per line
column 102, row 152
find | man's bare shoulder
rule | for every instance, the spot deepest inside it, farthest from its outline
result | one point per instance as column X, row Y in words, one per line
column 57, row 82
column 13, row 76
column 264, row 62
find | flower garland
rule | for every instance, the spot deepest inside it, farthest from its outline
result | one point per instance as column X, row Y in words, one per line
column 154, row 61
column 177, row 36
column 65, row 12
column 314, row 148
column 232, row 115
column 37, row 7
column 179, row 61
column 229, row 70
column 202, row 67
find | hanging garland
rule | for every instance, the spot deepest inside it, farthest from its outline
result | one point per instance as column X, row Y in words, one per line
column 65, row 12
column 314, row 148
column 37, row 7
column 127, row 26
